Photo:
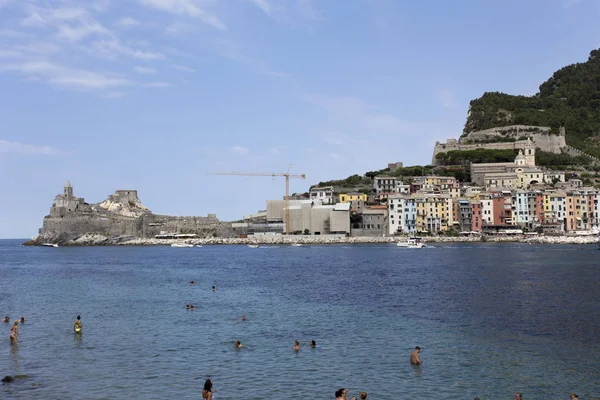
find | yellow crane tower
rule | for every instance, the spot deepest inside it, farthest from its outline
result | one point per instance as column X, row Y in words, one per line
column 287, row 175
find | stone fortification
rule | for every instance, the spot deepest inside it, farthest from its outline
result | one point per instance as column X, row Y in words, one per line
column 120, row 217
column 541, row 137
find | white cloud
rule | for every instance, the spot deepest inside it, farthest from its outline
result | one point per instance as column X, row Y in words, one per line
column 336, row 156
column 183, row 68
column 185, row 7
column 75, row 34
column 28, row 149
column 239, row 150
column 263, row 5
column 127, row 22
column 112, row 49
column 447, row 98
column 179, row 29
column 66, row 77
column 144, row 70
column 156, row 85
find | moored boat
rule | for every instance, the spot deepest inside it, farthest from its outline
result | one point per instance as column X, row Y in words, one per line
column 297, row 245
column 253, row 246
column 181, row 245
column 49, row 244
column 412, row 243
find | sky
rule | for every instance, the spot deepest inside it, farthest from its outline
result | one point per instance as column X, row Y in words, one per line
column 155, row 94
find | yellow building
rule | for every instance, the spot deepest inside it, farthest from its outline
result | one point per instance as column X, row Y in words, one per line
column 356, row 200
column 433, row 213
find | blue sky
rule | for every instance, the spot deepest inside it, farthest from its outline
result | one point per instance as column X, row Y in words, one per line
column 153, row 94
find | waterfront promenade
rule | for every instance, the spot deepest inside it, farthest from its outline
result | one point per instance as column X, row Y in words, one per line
column 98, row 240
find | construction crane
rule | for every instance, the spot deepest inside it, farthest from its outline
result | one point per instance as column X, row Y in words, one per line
column 287, row 175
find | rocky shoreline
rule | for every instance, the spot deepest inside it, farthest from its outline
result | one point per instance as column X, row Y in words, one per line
column 99, row 240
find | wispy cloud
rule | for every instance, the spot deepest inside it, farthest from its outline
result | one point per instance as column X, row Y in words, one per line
column 127, row 22
column 263, row 5
column 179, row 29
column 112, row 49
column 27, row 149
column 228, row 49
column 144, row 70
column 183, row 68
column 295, row 13
column 156, row 85
column 185, row 7
column 66, row 77
column 239, row 150
column 337, row 157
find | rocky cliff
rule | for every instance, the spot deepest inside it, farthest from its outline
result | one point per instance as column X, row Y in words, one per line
column 121, row 217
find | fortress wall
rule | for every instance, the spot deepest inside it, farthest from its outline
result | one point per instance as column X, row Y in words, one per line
column 77, row 225
column 544, row 141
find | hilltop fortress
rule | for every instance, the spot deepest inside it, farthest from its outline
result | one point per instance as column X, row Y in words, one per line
column 514, row 137
column 120, row 217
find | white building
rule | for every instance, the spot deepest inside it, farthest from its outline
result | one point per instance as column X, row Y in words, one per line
column 402, row 211
column 521, row 208
column 323, row 194
column 487, row 211
column 385, row 184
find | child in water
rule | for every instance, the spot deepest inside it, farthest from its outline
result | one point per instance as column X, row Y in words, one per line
column 77, row 326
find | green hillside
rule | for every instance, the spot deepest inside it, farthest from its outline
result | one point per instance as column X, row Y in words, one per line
column 570, row 98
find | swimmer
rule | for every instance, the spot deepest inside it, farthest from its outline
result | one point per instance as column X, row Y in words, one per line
column 192, row 307
column 574, row 396
column 23, row 319
column 518, row 396
column 341, row 394
column 296, row 345
column 192, row 282
column 14, row 332
column 238, row 344
column 207, row 392
column 363, row 395
column 6, row 319
column 77, row 327
column 187, row 306
column 214, row 288
column 312, row 343
column 415, row 359
column 243, row 317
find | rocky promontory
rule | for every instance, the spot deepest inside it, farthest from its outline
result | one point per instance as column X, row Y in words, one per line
column 118, row 219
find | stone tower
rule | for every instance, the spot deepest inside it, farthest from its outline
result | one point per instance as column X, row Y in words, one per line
column 68, row 190
column 529, row 152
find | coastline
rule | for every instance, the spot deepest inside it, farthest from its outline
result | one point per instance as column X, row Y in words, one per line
column 99, row 240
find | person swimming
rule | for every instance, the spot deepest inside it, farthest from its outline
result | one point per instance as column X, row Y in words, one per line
column 77, row 327
column 312, row 343
column 363, row 395
column 415, row 359
column 6, row 319
column 23, row 320
column 238, row 344
column 208, row 391
column 296, row 345
column 244, row 317
column 192, row 282
column 214, row 288
column 14, row 332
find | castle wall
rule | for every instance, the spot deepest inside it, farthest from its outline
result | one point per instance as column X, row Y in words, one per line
column 544, row 141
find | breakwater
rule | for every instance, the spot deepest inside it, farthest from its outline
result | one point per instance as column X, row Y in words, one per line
column 99, row 240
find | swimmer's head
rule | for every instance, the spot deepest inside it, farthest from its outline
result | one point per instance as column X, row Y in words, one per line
column 363, row 395
column 340, row 392
column 16, row 322
column 79, row 317
column 313, row 343
column 208, row 385
column 296, row 343
column 418, row 348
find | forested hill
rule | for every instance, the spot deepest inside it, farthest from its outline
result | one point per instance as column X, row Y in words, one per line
column 570, row 98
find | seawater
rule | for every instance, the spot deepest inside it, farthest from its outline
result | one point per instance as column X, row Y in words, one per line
column 491, row 320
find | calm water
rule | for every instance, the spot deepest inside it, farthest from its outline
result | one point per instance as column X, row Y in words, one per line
column 491, row 320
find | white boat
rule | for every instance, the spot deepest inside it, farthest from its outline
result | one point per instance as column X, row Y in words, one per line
column 198, row 245
column 412, row 243
column 297, row 245
column 49, row 244
column 181, row 245
column 253, row 246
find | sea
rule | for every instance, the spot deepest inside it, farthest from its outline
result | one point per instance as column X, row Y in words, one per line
column 491, row 320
